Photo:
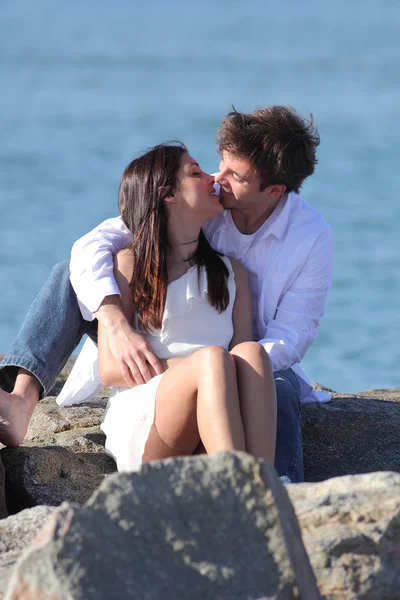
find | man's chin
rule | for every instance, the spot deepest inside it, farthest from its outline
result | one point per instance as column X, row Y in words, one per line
column 227, row 200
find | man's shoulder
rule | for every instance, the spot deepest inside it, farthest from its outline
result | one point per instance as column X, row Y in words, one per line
column 305, row 216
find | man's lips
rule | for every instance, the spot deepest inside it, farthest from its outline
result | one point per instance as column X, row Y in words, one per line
column 224, row 191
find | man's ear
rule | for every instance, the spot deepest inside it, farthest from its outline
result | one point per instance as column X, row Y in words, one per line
column 167, row 195
column 276, row 190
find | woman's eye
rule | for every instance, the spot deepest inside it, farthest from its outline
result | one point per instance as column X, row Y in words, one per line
column 196, row 174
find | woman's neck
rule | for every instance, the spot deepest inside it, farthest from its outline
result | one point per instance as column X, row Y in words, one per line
column 183, row 239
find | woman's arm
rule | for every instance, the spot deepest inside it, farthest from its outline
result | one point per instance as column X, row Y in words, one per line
column 111, row 372
column 109, row 368
column 242, row 309
column 93, row 279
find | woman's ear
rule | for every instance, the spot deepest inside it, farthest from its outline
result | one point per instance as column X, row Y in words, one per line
column 167, row 195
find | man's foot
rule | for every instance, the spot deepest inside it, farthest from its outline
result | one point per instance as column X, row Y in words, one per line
column 16, row 409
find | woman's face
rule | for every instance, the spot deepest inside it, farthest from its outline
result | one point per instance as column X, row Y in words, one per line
column 194, row 191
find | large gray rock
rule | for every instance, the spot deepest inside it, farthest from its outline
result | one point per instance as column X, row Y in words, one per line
column 195, row 528
column 16, row 533
column 350, row 435
column 351, row 530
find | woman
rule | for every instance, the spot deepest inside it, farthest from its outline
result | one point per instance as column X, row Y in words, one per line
column 194, row 307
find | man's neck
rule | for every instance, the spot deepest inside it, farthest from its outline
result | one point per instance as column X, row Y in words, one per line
column 249, row 220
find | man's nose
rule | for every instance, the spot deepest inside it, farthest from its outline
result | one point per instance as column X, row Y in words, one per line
column 220, row 176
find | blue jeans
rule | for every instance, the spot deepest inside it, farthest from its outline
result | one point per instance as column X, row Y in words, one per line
column 54, row 326
column 52, row 329
column 289, row 441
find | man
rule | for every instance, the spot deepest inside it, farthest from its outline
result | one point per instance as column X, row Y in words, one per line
column 284, row 243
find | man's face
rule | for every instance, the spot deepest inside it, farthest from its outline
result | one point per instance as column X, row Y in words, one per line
column 240, row 186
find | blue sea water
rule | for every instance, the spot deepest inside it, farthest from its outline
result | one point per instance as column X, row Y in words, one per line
column 85, row 86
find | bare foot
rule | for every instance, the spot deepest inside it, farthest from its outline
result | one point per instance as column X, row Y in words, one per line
column 15, row 414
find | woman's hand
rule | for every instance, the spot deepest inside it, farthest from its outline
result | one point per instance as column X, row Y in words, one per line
column 133, row 361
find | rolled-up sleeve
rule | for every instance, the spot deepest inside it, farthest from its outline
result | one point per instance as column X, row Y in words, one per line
column 296, row 321
column 92, row 267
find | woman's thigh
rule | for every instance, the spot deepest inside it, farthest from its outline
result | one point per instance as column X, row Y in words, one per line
column 175, row 432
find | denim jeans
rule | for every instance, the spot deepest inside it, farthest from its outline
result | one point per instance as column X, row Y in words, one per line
column 54, row 326
column 289, row 441
column 52, row 329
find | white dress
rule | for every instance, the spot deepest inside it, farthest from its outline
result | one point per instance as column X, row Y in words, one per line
column 189, row 323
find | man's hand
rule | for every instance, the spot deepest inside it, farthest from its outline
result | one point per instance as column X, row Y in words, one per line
column 134, row 356
column 137, row 361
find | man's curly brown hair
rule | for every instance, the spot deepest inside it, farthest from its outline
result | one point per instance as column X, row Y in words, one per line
column 279, row 144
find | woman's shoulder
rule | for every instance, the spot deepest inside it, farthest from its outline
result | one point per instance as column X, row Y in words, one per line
column 237, row 267
column 123, row 262
column 239, row 273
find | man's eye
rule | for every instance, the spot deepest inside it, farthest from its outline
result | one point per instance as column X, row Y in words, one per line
column 239, row 179
column 196, row 174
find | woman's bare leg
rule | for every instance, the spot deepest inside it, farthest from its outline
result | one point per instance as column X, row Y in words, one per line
column 257, row 399
column 197, row 400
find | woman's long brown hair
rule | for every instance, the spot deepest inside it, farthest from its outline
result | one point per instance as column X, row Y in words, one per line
column 144, row 213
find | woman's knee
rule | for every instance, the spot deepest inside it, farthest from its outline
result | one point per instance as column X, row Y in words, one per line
column 251, row 351
column 214, row 357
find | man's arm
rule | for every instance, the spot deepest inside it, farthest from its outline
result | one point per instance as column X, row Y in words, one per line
column 296, row 321
column 92, row 267
column 92, row 277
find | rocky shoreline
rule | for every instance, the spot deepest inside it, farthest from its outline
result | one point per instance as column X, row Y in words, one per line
column 348, row 511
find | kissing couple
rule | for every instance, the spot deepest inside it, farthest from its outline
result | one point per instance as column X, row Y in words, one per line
column 203, row 297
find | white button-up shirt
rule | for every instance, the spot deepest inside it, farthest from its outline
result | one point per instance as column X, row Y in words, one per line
column 289, row 260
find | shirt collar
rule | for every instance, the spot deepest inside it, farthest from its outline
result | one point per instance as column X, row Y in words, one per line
column 276, row 224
